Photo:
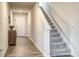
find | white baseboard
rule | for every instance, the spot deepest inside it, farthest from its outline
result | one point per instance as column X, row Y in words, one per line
column 76, row 53
column 38, row 47
column 4, row 51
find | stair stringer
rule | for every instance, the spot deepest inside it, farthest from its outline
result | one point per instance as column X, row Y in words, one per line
column 62, row 35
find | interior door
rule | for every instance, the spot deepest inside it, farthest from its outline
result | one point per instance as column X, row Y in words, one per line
column 21, row 24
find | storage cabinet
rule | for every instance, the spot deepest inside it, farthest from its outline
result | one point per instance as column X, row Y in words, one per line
column 12, row 37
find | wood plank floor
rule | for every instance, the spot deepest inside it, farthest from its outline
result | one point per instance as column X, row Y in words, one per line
column 23, row 48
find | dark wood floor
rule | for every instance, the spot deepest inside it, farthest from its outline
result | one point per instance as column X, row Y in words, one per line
column 23, row 48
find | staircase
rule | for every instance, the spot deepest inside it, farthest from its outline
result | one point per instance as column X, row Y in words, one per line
column 58, row 48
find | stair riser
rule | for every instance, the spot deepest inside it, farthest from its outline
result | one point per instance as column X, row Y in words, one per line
column 52, row 36
column 49, row 21
column 60, row 53
column 64, row 50
column 52, row 31
column 50, row 24
column 56, row 46
column 56, row 39
column 47, row 18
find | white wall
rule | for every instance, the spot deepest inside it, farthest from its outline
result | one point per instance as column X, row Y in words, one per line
column 4, row 27
column 0, row 25
column 71, row 12
column 39, row 30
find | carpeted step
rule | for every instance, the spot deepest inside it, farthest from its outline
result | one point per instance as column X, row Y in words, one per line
column 56, row 39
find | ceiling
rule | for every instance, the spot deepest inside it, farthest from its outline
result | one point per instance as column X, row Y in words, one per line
column 26, row 5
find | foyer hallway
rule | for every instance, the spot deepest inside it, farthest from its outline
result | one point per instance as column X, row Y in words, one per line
column 23, row 48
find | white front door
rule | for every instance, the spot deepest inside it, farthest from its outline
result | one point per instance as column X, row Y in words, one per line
column 21, row 24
